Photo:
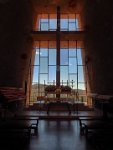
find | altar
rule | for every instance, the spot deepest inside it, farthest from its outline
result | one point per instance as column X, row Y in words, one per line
column 61, row 97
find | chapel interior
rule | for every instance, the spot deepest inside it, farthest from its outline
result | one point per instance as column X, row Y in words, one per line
column 56, row 74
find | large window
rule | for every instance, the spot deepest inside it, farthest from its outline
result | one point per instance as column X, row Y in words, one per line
column 45, row 65
column 68, row 22
column 57, row 62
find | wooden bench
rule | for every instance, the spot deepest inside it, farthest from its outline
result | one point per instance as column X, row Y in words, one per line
column 15, row 126
column 24, row 124
column 12, row 96
column 85, row 121
column 12, row 93
column 32, row 119
column 91, row 125
column 12, row 99
column 97, row 130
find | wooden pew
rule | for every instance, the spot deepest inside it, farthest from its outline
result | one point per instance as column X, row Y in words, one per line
column 12, row 98
column 83, row 121
column 20, row 123
column 32, row 119
column 94, row 124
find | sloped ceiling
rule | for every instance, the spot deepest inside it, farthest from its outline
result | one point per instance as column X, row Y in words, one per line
column 66, row 5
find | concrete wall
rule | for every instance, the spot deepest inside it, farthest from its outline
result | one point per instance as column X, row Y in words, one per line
column 15, row 41
column 99, row 44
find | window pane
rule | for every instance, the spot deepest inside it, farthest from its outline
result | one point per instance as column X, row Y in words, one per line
column 35, row 70
column 44, row 20
column 43, row 78
column 81, row 86
column 73, row 80
column 52, row 73
column 72, row 52
column 76, row 24
column 63, row 73
column 53, row 24
column 80, row 74
column 79, row 56
column 64, row 56
column 44, row 26
column 43, row 52
column 52, row 56
column 72, row 27
column 36, row 57
column 72, row 65
column 43, row 65
column 64, row 24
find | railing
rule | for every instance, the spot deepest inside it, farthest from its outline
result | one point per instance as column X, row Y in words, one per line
column 81, row 99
